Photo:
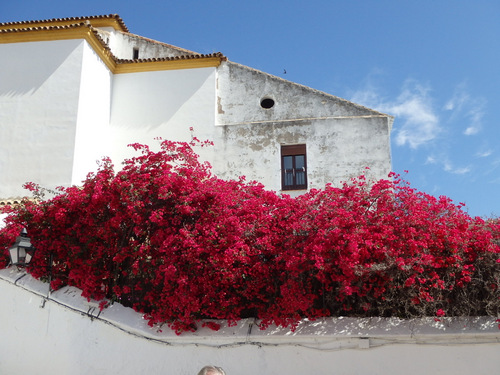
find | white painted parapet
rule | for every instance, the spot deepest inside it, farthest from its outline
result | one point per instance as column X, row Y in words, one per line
column 62, row 333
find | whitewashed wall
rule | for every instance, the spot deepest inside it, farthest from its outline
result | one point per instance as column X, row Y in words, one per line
column 61, row 110
column 241, row 90
column 337, row 149
column 92, row 137
column 62, row 334
column 342, row 138
column 123, row 45
column 39, row 93
column 163, row 104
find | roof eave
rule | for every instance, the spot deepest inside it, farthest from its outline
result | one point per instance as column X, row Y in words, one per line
column 111, row 20
column 86, row 31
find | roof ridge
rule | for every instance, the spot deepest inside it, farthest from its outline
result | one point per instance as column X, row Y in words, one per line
column 83, row 24
column 182, row 57
column 109, row 58
column 51, row 27
column 68, row 19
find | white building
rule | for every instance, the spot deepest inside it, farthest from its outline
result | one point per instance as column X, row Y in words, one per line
column 73, row 90
column 76, row 89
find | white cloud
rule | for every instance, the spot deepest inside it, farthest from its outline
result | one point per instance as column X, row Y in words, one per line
column 462, row 105
column 442, row 160
column 459, row 98
column 475, row 116
column 463, row 170
column 448, row 167
column 430, row 160
column 412, row 108
column 471, row 130
column 484, row 154
column 420, row 122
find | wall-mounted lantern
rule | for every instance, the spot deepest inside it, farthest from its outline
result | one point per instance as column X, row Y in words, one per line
column 22, row 251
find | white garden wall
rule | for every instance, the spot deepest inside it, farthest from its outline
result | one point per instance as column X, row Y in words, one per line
column 62, row 333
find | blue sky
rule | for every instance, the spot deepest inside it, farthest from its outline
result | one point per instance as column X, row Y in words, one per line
column 434, row 65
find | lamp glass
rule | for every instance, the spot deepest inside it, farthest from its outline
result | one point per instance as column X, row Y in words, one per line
column 22, row 251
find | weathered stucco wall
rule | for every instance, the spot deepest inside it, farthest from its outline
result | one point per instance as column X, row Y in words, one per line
column 62, row 334
column 123, row 44
column 337, row 149
column 241, row 89
column 342, row 138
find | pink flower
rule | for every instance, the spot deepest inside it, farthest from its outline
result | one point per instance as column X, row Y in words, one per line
column 167, row 238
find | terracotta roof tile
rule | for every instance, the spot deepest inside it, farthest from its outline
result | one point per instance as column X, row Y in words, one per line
column 75, row 20
column 13, row 202
column 41, row 28
column 183, row 57
column 84, row 22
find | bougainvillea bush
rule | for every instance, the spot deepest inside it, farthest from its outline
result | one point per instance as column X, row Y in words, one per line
column 166, row 237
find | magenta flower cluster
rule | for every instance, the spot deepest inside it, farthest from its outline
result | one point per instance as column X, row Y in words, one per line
column 166, row 237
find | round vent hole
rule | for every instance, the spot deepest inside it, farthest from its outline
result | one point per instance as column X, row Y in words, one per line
column 267, row 103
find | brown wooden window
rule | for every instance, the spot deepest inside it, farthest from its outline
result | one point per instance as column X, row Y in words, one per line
column 293, row 167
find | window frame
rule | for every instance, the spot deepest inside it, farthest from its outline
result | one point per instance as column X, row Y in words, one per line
column 293, row 151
